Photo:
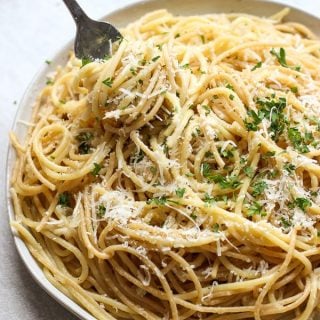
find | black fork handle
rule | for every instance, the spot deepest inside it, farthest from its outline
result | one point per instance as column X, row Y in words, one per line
column 76, row 11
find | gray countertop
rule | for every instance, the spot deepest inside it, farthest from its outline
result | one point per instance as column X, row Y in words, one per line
column 31, row 32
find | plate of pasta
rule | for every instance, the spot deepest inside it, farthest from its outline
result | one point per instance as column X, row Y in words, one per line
column 178, row 177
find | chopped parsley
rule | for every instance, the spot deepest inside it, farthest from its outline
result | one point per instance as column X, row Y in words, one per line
column 101, row 210
column 243, row 160
column 64, row 199
column 193, row 216
column 229, row 86
column 273, row 173
column 248, row 171
column 313, row 193
column 302, row 203
column 160, row 201
column 286, row 223
column 185, row 66
column 84, row 145
column 108, row 82
column 155, row 58
column 268, row 154
column 208, row 199
column 253, row 120
column 49, row 81
column 229, row 182
column 308, row 137
column 48, row 62
column 180, row 192
column 258, row 188
column 203, row 38
column 208, row 154
column 289, row 167
column 294, row 89
column 298, row 142
column 215, row 227
column 133, row 71
column 281, row 57
column 256, row 209
column 270, row 109
column 96, row 169
column 85, row 61
column 258, row 65
column 196, row 133
column 206, row 170
column 231, row 96
column 165, row 149
column 226, row 153
column 177, row 35
column 207, row 108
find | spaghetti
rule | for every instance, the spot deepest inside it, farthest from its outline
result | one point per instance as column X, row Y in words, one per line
column 178, row 178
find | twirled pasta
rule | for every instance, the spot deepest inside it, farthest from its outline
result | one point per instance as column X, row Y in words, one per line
column 179, row 177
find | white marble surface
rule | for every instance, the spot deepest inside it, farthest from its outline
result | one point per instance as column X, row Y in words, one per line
column 31, row 32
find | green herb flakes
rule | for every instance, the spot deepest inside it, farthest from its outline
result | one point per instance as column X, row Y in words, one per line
column 248, row 172
column 160, row 201
column 207, row 109
column 185, row 66
column 258, row 65
column 85, row 61
column 155, row 58
column 258, row 188
column 289, row 167
column 101, row 211
column 229, row 86
column 294, row 89
column 208, row 199
column 281, row 57
column 133, row 71
column 297, row 140
column 256, row 209
column 285, row 223
column 302, row 203
column 84, row 142
column 64, row 199
column 272, row 110
column 108, row 82
column 49, row 81
column 193, row 216
column 180, row 192
column 215, row 227
column 96, row 169
column 228, row 182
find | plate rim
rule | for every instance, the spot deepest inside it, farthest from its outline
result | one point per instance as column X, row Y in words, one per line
column 29, row 261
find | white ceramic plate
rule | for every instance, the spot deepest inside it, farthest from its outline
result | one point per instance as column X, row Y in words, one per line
column 121, row 18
